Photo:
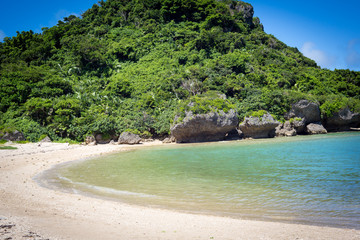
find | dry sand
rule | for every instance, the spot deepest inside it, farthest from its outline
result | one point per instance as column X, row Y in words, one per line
column 29, row 211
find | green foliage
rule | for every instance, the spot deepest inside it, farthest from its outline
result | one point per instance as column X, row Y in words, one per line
column 133, row 131
column 42, row 137
column 335, row 103
column 136, row 64
column 257, row 114
column 291, row 120
column 211, row 101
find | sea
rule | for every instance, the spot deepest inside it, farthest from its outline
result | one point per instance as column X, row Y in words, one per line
column 311, row 180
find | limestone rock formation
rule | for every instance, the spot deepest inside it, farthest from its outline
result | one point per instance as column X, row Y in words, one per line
column 212, row 126
column 90, row 140
column 342, row 121
column 13, row 136
column 299, row 125
column 285, row 129
column 259, row 127
column 129, row 138
column 169, row 140
column 246, row 9
column 304, row 109
column 315, row 128
column 45, row 140
column 103, row 138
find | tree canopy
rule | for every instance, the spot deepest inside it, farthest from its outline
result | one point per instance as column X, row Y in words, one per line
column 132, row 64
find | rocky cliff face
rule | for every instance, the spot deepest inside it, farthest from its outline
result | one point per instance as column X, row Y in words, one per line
column 342, row 120
column 259, row 127
column 212, row 126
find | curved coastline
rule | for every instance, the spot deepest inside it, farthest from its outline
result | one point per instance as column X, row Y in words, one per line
column 59, row 215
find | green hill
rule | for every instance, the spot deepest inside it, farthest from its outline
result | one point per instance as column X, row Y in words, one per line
column 133, row 64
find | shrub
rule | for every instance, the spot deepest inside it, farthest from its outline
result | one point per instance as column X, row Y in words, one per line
column 204, row 103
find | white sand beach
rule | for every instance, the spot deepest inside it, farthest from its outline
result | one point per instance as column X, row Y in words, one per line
column 29, row 211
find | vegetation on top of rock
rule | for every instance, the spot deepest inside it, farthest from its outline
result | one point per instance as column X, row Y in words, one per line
column 133, row 64
column 257, row 114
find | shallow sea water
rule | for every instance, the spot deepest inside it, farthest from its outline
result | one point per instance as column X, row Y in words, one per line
column 304, row 179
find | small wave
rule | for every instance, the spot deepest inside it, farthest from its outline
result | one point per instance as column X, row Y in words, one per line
column 103, row 189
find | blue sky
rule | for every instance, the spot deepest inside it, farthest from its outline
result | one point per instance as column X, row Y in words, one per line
column 326, row 31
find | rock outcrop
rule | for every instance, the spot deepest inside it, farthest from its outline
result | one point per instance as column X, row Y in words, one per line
column 309, row 111
column 342, row 121
column 245, row 9
column 259, row 127
column 169, row 140
column 103, row 138
column 13, row 136
column 46, row 140
column 212, row 126
column 90, row 140
column 285, row 129
column 299, row 125
column 303, row 113
column 315, row 128
column 129, row 138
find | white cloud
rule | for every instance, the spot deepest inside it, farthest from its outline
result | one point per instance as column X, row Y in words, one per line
column 320, row 57
column 2, row 35
column 353, row 54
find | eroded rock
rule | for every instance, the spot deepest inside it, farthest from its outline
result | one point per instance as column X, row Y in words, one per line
column 342, row 121
column 212, row 126
column 13, row 136
column 103, row 138
column 245, row 9
column 307, row 110
column 129, row 138
column 259, row 127
column 285, row 129
column 90, row 140
column 169, row 140
column 46, row 140
column 315, row 128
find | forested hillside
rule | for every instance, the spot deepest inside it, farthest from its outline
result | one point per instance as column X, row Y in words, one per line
column 135, row 64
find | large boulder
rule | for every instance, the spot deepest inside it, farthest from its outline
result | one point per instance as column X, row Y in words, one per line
column 129, row 138
column 13, row 136
column 259, row 127
column 212, row 126
column 309, row 111
column 342, row 120
column 315, row 128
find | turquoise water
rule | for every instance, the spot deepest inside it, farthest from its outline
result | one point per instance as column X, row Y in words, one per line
column 307, row 179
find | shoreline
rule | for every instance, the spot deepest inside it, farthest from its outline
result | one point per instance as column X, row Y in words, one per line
column 55, row 214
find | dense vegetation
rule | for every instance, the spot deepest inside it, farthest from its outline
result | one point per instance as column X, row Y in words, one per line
column 133, row 64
